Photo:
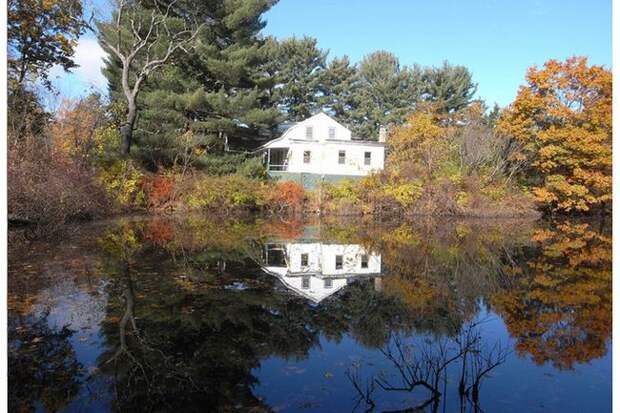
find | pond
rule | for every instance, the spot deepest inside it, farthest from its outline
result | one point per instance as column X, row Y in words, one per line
column 196, row 314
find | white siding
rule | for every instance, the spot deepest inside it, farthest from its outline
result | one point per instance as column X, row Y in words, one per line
column 324, row 151
column 322, row 258
column 324, row 158
column 322, row 266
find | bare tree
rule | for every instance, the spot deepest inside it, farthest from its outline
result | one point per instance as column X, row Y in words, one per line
column 364, row 392
column 143, row 40
column 481, row 146
column 424, row 365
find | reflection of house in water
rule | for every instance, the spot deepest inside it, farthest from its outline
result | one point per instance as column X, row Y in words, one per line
column 317, row 270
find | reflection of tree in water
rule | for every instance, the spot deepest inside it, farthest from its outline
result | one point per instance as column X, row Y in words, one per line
column 42, row 364
column 441, row 270
column 424, row 366
column 185, row 343
column 190, row 316
column 557, row 304
column 366, row 314
column 552, row 286
column 164, row 351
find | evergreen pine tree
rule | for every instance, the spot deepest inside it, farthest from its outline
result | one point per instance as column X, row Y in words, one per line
column 294, row 67
column 450, row 86
column 336, row 88
column 383, row 93
column 209, row 99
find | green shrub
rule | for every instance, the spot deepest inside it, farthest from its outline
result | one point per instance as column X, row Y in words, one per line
column 253, row 168
column 223, row 193
column 220, row 164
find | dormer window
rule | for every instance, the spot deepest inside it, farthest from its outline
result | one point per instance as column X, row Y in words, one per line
column 331, row 132
column 308, row 132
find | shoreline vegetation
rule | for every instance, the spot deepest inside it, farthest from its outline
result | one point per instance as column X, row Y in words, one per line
column 183, row 113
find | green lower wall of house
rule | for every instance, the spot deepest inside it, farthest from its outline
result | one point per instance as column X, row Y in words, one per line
column 308, row 180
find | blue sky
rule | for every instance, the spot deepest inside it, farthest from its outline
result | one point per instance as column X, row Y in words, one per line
column 497, row 40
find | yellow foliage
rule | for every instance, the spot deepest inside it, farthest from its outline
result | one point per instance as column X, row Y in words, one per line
column 421, row 141
column 121, row 243
column 562, row 119
column 123, row 182
column 402, row 235
column 344, row 189
column 494, row 192
column 462, row 199
column 405, row 193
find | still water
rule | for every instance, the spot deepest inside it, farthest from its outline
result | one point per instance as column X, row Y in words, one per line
column 192, row 314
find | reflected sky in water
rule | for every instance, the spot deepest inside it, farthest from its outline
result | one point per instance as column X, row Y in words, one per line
column 195, row 314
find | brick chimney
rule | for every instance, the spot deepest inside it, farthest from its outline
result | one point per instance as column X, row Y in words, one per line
column 382, row 134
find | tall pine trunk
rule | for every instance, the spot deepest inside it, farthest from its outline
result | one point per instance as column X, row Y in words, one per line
column 132, row 110
column 127, row 128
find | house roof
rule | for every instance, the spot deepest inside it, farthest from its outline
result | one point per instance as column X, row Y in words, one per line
column 352, row 141
column 315, row 294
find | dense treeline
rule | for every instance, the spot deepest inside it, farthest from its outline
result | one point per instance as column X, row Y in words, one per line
column 195, row 86
column 233, row 87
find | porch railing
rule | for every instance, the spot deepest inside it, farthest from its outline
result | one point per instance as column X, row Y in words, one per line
column 277, row 167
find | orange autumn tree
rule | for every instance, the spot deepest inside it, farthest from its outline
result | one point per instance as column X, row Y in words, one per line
column 85, row 129
column 562, row 120
column 75, row 130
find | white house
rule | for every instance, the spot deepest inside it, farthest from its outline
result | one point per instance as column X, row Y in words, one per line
column 317, row 270
column 321, row 146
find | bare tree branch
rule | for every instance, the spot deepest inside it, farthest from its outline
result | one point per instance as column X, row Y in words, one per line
column 141, row 47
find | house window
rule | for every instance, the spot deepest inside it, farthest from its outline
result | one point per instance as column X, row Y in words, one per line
column 367, row 156
column 327, row 283
column 304, row 260
column 338, row 262
column 305, row 283
column 364, row 261
column 331, row 132
column 275, row 255
column 306, row 156
column 308, row 132
column 341, row 156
